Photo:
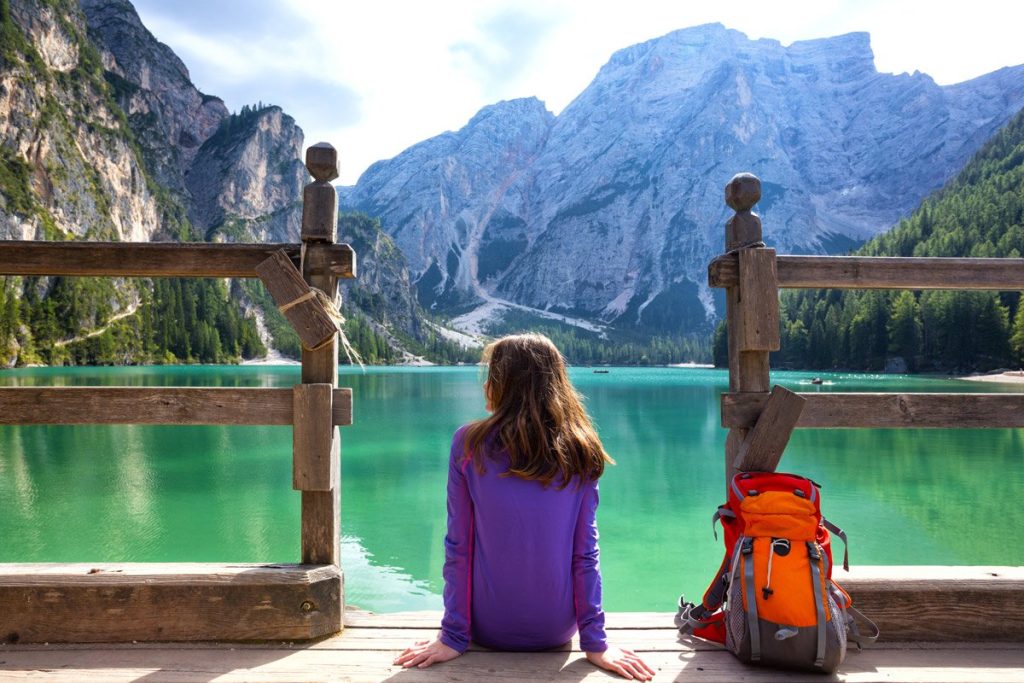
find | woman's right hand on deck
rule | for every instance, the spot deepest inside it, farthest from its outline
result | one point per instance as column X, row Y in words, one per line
column 626, row 663
column 424, row 653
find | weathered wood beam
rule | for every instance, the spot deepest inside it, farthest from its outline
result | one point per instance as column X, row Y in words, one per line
column 940, row 603
column 881, row 272
column 93, row 603
column 163, row 259
column 908, row 603
column 936, row 411
column 762, row 449
column 321, row 510
column 297, row 301
column 313, row 464
column 158, row 405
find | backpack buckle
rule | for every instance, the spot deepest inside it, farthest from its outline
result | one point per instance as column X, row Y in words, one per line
column 747, row 546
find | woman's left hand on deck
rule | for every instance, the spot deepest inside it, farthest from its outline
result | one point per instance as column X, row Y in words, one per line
column 424, row 653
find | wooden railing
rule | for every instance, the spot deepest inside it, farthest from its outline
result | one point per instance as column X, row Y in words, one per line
column 909, row 603
column 124, row 602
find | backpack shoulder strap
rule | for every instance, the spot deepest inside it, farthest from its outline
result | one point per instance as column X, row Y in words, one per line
column 855, row 635
column 836, row 531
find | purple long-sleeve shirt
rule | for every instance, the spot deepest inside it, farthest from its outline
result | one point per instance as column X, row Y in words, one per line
column 521, row 560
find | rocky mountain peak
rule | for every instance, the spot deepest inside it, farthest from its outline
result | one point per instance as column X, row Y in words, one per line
column 630, row 174
column 498, row 116
column 170, row 116
column 134, row 49
column 246, row 179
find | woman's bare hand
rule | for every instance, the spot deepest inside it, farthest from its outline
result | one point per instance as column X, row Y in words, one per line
column 626, row 663
column 424, row 653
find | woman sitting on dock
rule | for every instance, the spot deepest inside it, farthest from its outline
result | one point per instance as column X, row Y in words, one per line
column 521, row 556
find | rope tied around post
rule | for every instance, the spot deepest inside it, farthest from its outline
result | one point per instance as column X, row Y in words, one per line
column 331, row 307
column 315, row 324
column 333, row 310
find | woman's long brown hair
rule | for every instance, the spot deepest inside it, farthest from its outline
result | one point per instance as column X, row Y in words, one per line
column 538, row 415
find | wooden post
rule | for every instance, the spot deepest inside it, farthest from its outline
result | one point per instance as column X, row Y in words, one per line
column 321, row 520
column 314, row 467
column 765, row 442
column 748, row 368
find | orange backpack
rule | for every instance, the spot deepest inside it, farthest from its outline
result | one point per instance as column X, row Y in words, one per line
column 773, row 600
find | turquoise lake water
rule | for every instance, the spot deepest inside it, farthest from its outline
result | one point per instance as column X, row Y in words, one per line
column 216, row 494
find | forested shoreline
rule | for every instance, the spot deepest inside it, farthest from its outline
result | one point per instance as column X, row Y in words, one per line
column 979, row 214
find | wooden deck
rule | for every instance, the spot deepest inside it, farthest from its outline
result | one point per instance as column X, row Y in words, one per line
column 370, row 642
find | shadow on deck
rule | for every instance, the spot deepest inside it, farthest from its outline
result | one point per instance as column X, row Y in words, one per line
column 370, row 642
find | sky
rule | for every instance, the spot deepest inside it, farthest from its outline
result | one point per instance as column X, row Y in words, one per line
column 373, row 77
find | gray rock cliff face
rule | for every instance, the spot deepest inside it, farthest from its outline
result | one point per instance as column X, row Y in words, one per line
column 613, row 208
column 246, row 180
column 383, row 290
column 170, row 117
column 119, row 144
column 79, row 175
column 445, row 198
column 239, row 177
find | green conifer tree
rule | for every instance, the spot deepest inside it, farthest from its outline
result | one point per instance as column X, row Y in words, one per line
column 904, row 329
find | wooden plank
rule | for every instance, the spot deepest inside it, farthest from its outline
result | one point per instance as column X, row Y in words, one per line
column 940, row 603
column 158, row 405
column 883, row 410
column 321, row 510
column 661, row 639
column 184, row 602
column 759, row 301
column 882, row 272
column 908, row 603
column 297, row 301
column 162, row 663
column 762, row 449
column 160, row 259
column 431, row 619
column 312, row 439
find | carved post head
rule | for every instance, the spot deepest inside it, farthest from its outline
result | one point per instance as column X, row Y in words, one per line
column 319, row 201
column 742, row 192
column 322, row 162
column 743, row 229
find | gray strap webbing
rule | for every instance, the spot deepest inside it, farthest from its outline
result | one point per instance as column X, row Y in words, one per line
column 687, row 617
column 819, row 603
column 855, row 635
column 833, row 529
column 751, row 594
column 719, row 513
column 716, row 593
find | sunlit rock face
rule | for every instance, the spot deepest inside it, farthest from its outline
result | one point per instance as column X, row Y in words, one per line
column 239, row 178
column 612, row 209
